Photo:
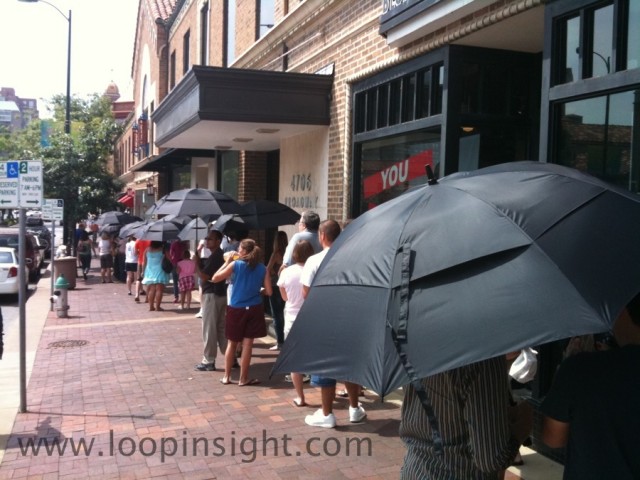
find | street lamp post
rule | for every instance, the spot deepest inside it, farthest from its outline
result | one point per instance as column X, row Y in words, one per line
column 67, row 115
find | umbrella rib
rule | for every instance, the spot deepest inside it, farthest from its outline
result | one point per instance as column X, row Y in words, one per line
column 400, row 340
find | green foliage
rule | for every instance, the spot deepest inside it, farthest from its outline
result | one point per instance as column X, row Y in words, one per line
column 75, row 166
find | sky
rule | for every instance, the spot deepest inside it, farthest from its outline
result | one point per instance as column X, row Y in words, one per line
column 33, row 40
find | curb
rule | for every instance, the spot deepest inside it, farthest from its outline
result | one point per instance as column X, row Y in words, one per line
column 35, row 319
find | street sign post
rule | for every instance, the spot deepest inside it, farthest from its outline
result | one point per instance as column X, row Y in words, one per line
column 52, row 209
column 30, row 184
column 9, row 185
column 21, row 184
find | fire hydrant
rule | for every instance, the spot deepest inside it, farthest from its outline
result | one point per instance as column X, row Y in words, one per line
column 60, row 297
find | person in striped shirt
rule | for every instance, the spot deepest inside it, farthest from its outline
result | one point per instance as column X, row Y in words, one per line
column 480, row 434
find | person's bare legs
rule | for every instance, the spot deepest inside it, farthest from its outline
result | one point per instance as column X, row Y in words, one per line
column 130, row 281
column 245, row 360
column 353, row 390
column 229, row 358
column 151, row 295
column 298, row 384
column 327, row 395
column 159, row 291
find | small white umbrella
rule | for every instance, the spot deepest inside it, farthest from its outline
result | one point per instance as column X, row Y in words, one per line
column 195, row 229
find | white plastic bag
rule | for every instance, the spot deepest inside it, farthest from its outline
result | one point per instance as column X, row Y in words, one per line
column 525, row 366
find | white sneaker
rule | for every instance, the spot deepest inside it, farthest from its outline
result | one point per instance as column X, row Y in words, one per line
column 199, row 314
column 319, row 419
column 357, row 414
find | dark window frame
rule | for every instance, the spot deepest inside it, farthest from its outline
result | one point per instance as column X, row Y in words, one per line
column 204, row 34
column 186, row 63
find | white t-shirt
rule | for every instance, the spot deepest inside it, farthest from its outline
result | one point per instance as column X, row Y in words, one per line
column 311, row 267
column 204, row 252
column 290, row 281
column 130, row 254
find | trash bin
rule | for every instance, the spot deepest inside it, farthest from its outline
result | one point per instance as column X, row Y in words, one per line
column 66, row 266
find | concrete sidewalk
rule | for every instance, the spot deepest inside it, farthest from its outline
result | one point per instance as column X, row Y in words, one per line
column 114, row 385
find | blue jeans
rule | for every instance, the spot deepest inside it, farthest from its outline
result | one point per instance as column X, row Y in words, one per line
column 276, row 304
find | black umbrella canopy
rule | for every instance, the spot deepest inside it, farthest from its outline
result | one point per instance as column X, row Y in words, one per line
column 261, row 214
column 160, row 231
column 131, row 228
column 478, row 265
column 196, row 201
column 115, row 218
column 230, row 223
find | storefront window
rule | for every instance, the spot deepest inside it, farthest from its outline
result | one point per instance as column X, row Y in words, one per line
column 390, row 166
column 228, row 173
column 601, row 136
column 401, row 100
column 571, row 69
column 181, row 177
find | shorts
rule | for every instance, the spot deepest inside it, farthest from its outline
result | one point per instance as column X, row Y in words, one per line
column 186, row 284
column 106, row 261
column 130, row 267
column 245, row 322
column 318, row 381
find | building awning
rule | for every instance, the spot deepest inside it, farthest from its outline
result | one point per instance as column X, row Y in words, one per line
column 241, row 109
column 127, row 200
column 171, row 158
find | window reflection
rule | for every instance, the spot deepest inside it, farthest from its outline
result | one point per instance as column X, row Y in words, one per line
column 601, row 136
column 572, row 47
column 633, row 39
column 602, row 41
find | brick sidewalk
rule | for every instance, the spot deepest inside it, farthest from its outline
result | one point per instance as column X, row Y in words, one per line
column 121, row 379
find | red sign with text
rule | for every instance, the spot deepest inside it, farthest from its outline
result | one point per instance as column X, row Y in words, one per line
column 398, row 173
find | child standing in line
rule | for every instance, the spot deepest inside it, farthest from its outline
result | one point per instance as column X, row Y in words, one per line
column 186, row 269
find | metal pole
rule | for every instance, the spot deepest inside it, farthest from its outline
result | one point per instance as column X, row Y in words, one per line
column 52, row 255
column 22, row 296
column 67, row 118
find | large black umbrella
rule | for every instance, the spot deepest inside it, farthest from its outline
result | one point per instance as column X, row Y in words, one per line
column 115, row 218
column 196, row 201
column 160, row 231
column 230, row 223
column 131, row 228
column 261, row 214
column 477, row 265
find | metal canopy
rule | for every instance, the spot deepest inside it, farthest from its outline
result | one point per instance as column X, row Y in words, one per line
column 241, row 109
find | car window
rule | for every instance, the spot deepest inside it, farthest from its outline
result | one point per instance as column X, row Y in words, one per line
column 6, row 257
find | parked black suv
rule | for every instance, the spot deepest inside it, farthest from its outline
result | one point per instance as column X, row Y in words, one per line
column 9, row 237
column 36, row 226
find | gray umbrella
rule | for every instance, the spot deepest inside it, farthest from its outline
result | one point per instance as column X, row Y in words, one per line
column 477, row 265
column 195, row 230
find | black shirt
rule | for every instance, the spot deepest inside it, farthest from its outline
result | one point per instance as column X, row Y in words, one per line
column 210, row 266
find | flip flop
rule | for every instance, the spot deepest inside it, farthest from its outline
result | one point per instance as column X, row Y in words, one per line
column 298, row 404
column 253, row 381
column 228, row 382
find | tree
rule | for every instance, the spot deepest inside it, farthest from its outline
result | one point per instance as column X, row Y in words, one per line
column 75, row 165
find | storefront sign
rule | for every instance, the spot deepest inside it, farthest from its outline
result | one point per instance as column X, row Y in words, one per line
column 302, row 193
column 398, row 173
column 398, row 11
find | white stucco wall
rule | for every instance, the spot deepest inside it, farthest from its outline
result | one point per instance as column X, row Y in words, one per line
column 304, row 173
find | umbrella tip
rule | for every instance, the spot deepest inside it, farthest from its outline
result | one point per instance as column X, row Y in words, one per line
column 431, row 177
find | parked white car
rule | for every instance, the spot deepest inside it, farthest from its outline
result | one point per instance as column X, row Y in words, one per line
column 9, row 272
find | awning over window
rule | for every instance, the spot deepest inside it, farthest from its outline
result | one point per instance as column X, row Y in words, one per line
column 173, row 157
column 241, row 109
column 127, row 200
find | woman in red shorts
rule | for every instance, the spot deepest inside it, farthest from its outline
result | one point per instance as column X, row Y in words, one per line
column 245, row 313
